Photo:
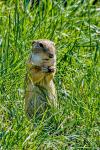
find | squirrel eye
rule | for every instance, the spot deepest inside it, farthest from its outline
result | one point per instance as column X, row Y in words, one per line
column 41, row 45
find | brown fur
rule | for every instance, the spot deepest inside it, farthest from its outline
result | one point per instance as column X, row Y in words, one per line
column 40, row 89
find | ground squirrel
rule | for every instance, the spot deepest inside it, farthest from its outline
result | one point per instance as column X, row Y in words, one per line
column 40, row 89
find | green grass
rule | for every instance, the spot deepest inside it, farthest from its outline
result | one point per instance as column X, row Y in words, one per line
column 76, row 33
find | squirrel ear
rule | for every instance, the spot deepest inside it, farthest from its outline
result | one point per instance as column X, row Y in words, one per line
column 33, row 42
column 52, row 43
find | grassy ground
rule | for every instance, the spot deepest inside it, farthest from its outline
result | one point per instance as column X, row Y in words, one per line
column 76, row 32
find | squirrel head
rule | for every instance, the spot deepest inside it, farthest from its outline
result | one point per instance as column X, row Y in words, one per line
column 43, row 53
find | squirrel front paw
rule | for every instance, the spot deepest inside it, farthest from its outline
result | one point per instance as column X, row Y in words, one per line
column 51, row 69
column 48, row 69
column 44, row 69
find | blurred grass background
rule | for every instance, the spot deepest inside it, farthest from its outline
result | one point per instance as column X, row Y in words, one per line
column 75, row 29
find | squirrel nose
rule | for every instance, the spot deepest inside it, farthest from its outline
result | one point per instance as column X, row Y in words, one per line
column 51, row 55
